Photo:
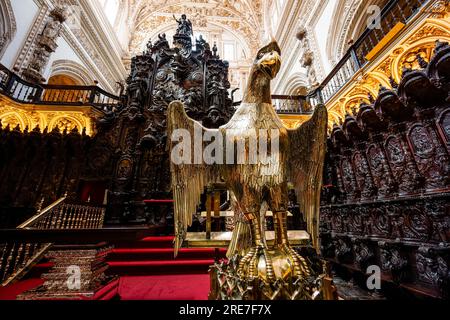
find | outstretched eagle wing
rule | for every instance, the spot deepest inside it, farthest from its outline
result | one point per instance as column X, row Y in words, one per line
column 189, row 178
column 306, row 162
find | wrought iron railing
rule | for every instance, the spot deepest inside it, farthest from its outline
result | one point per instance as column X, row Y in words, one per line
column 394, row 12
column 22, row 91
column 17, row 258
column 291, row 104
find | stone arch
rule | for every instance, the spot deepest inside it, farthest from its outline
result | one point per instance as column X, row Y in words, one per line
column 422, row 43
column 354, row 102
column 64, row 122
column 296, row 84
column 381, row 78
column 63, row 79
column 334, row 117
column 73, row 70
column 8, row 25
column 349, row 22
column 13, row 119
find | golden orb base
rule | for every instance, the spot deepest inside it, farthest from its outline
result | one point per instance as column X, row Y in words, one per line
column 271, row 274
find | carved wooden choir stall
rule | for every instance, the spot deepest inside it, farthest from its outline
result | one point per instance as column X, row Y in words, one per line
column 126, row 162
column 386, row 200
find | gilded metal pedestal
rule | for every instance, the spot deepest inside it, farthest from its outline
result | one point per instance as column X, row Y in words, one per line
column 228, row 283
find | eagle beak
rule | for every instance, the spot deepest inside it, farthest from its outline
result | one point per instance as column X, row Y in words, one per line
column 272, row 61
column 271, row 65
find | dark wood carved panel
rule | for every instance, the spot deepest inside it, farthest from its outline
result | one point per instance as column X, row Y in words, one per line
column 395, row 212
column 363, row 175
column 380, row 170
column 127, row 158
column 444, row 127
column 162, row 74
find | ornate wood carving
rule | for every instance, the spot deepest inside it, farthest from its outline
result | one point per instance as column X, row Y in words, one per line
column 128, row 155
column 404, row 226
column 159, row 76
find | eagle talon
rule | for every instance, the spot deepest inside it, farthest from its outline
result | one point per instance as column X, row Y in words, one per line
column 248, row 266
column 301, row 268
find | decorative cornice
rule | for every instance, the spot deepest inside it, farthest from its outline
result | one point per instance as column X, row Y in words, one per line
column 9, row 23
column 246, row 22
column 37, row 26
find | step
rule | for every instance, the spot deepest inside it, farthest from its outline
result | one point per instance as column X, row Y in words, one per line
column 125, row 268
column 140, row 254
column 165, row 287
column 39, row 269
column 11, row 291
column 149, row 242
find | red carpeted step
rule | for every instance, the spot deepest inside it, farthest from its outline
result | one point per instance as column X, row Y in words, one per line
column 12, row 291
column 149, row 242
column 39, row 269
column 139, row 254
column 30, row 281
column 165, row 287
column 108, row 292
column 124, row 268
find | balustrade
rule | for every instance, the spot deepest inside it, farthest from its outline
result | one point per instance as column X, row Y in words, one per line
column 22, row 91
column 291, row 104
column 17, row 258
column 396, row 11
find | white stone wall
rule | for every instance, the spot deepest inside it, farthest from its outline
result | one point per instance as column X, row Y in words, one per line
column 92, row 45
column 25, row 12
column 103, row 44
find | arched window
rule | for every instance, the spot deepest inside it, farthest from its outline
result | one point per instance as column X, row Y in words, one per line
column 7, row 25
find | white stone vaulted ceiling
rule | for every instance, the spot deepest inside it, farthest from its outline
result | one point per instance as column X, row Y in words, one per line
column 243, row 19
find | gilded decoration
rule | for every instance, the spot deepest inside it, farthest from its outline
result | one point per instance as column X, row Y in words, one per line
column 413, row 51
column 294, row 121
column 28, row 117
column 278, row 271
column 244, row 17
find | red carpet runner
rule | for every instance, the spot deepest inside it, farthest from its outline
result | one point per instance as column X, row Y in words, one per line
column 148, row 271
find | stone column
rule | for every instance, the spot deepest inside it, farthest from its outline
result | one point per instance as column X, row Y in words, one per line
column 45, row 46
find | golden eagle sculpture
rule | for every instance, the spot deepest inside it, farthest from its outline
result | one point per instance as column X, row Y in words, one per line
column 256, row 184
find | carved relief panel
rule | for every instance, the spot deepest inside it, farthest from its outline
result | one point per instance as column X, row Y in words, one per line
column 444, row 128
column 402, row 165
column 363, row 175
column 380, row 171
column 424, row 151
column 348, row 178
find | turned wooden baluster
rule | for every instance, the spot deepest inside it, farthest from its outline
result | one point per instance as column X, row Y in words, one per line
column 9, row 261
column 3, row 259
column 60, row 217
column 78, row 219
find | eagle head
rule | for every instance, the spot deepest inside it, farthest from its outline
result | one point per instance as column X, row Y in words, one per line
column 268, row 60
